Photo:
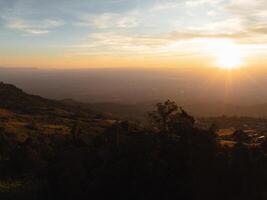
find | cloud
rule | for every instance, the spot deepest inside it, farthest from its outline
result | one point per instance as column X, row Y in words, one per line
column 117, row 44
column 172, row 43
column 164, row 6
column 151, row 27
column 247, row 7
column 193, row 35
column 116, row 41
column 252, row 16
column 109, row 20
column 225, row 27
column 33, row 27
column 212, row 13
column 173, row 4
column 194, row 3
column 259, row 28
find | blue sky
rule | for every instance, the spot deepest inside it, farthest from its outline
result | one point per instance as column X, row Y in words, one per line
column 143, row 29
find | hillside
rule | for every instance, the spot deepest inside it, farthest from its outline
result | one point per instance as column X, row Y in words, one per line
column 13, row 98
column 23, row 115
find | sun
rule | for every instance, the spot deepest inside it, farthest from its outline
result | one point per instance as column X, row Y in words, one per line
column 227, row 54
column 228, row 57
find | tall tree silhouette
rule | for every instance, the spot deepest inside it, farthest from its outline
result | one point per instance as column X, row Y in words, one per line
column 162, row 115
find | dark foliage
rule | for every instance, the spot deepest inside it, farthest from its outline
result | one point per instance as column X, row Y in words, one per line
column 171, row 159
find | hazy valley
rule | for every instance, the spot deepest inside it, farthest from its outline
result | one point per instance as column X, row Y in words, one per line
column 124, row 91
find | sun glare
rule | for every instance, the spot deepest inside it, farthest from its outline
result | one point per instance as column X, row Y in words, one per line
column 227, row 54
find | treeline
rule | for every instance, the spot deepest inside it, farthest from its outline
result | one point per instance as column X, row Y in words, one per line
column 169, row 159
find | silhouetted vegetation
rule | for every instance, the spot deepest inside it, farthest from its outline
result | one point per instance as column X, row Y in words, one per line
column 170, row 159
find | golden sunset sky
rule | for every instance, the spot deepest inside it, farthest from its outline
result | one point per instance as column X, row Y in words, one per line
column 133, row 33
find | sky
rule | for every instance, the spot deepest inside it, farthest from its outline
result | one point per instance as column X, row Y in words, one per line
column 133, row 33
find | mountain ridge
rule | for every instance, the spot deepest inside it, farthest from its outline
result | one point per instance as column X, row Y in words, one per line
column 16, row 100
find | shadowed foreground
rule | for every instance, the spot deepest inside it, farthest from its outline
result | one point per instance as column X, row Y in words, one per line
column 168, row 159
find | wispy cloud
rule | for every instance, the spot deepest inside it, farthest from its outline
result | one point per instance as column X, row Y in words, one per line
column 173, row 43
column 252, row 16
column 118, row 44
column 247, row 7
column 201, row 2
column 164, row 6
column 33, row 27
column 110, row 20
column 134, row 27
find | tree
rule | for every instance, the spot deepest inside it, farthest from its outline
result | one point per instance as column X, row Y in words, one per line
column 168, row 119
column 162, row 115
